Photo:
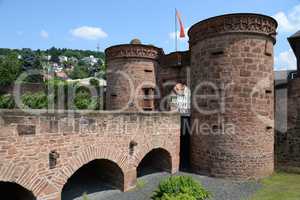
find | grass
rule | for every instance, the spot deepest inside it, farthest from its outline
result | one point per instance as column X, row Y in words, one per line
column 280, row 186
column 84, row 196
column 140, row 184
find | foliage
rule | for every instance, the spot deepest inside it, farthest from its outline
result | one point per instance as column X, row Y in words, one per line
column 84, row 196
column 15, row 61
column 140, row 184
column 279, row 186
column 78, row 95
column 79, row 54
column 94, row 82
column 180, row 196
column 84, row 100
column 38, row 100
column 10, row 69
column 32, row 61
column 180, row 188
column 59, row 89
column 79, row 72
column 7, row 101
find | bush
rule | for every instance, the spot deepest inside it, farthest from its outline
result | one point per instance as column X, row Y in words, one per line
column 37, row 100
column 180, row 196
column 180, row 188
column 94, row 82
column 59, row 91
column 84, row 100
column 7, row 101
column 10, row 69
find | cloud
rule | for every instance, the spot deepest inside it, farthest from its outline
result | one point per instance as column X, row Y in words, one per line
column 88, row 33
column 290, row 21
column 286, row 60
column 173, row 35
column 44, row 34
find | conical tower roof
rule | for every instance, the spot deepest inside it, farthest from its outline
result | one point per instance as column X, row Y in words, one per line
column 294, row 41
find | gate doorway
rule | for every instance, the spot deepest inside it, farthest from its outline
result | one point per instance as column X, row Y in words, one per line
column 185, row 143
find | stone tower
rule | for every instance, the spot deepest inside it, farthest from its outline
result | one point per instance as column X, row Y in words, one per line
column 131, row 77
column 232, row 96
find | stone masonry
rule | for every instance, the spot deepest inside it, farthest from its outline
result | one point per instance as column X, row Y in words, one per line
column 229, row 70
column 232, row 67
column 26, row 141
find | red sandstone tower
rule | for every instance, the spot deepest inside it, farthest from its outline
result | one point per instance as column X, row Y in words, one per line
column 131, row 77
column 233, row 95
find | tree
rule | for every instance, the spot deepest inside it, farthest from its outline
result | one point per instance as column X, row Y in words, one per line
column 71, row 53
column 54, row 52
column 10, row 69
column 32, row 61
column 79, row 72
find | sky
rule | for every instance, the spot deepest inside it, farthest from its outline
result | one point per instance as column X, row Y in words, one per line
column 83, row 24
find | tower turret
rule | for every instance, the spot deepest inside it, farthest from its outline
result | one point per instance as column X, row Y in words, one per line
column 233, row 95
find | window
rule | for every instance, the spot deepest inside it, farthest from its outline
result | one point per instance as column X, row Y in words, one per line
column 148, row 101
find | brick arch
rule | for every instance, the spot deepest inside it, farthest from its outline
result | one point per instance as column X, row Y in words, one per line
column 88, row 155
column 138, row 157
column 26, row 177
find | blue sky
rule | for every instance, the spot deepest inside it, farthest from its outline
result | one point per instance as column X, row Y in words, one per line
column 81, row 24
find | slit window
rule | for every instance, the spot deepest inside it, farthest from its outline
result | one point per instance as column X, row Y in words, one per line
column 148, row 100
column 217, row 52
column 268, row 91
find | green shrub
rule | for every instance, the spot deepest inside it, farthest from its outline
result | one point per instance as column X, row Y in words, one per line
column 180, row 188
column 10, row 69
column 94, row 82
column 37, row 100
column 7, row 101
column 180, row 196
column 84, row 196
column 58, row 90
column 84, row 100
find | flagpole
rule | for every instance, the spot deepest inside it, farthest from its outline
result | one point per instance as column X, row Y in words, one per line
column 176, row 39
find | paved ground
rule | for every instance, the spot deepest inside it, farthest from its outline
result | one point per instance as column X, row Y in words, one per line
column 221, row 189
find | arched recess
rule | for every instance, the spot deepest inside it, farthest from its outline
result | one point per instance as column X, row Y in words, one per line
column 96, row 176
column 157, row 160
column 24, row 176
column 87, row 155
column 14, row 191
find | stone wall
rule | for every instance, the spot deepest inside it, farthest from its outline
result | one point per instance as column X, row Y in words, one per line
column 131, row 68
column 233, row 96
column 26, row 141
column 288, row 141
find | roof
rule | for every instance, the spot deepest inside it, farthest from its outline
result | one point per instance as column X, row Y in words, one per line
column 294, row 41
column 296, row 35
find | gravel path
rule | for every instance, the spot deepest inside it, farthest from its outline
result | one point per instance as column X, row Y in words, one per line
column 220, row 188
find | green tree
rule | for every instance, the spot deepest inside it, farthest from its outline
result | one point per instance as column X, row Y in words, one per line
column 10, row 69
column 80, row 71
column 55, row 53
column 31, row 60
column 71, row 53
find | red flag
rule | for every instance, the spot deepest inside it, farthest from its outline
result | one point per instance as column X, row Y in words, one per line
column 182, row 33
